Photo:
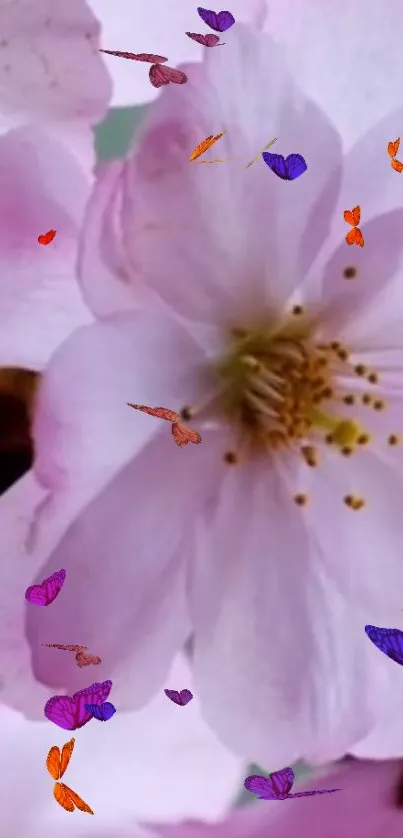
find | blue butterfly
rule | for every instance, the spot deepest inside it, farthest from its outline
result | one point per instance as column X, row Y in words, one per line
column 288, row 168
column 388, row 640
column 102, row 712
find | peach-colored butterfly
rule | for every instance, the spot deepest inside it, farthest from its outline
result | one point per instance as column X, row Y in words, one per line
column 396, row 165
column 181, row 433
column 81, row 658
column 56, row 764
column 393, row 147
column 205, row 145
column 353, row 217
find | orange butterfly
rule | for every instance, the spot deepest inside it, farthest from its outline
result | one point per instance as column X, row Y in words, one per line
column 81, row 658
column 182, row 435
column 160, row 412
column 56, row 764
column 396, row 165
column 353, row 217
column 393, row 148
column 205, row 145
column 261, row 152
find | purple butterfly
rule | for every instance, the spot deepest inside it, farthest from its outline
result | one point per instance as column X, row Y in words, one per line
column 102, row 712
column 47, row 591
column 389, row 641
column 220, row 21
column 70, row 712
column 277, row 786
column 206, row 40
column 288, row 168
column 183, row 697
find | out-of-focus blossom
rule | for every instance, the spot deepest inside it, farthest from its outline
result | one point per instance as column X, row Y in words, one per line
column 209, row 540
column 366, row 807
column 347, row 55
column 160, row 28
column 157, row 764
column 51, row 72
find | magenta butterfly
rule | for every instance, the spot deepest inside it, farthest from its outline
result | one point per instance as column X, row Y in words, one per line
column 137, row 56
column 47, row 591
column 182, row 698
column 70, row 712
column 160, row 75
column 209, row 40
column 220, row 21
column 277, row 786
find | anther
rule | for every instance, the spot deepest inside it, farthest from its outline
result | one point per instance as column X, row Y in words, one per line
column 350, row 272
column 342, row 354
column 350, row 399
column 393, row 439
column 329, row 439
column 366, row 398
column 297, row 310
column 373, row 378
column 231, row 458
column 378, row 404
column 187, row 413
column 310, row 455
column 301, row 500
column 363, row 439
column 335, row 345
column 360, row 369
column 346, row 451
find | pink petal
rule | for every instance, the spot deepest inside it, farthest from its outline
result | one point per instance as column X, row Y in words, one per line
column 365, row 806
column 300, row 684
column 172, row 753
column 86, row 388
column 174, row 210
column 348, row 60
column 41, row 187
column 126, row 555
column 138, row 30
column 50, row 68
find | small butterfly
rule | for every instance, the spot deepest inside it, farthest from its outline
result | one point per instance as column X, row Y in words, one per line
column 86, row 660
column 56, row 764
column 206, row 40
column 182, row 698
column 353, row 217
column 396, row 165
column 388, row 640
column 181, row 433
column 102, row 712
column 160, row 75
column 160, row 412
column 47, row 238
column 205, row 145
column 288, row 168
column 69, row 712
column 261, row 152
column 47, row 591
column 393, row 147
column 137, row 56
column 220, row 21
column 278, row 785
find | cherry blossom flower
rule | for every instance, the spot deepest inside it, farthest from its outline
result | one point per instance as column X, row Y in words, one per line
column 273, row 541
column 367, row 806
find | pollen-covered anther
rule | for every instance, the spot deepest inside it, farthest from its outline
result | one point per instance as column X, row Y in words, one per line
column 297, row 310
column 378, row 404
column 373, row 378
column 187, row 412
column 346, row 451
column 349, row 399
column 361, row 369
column 393, row 439
column 301, row 500
column 363, row 439
column 231, row 458
column 346, row 433
column 310, row 455
column 366, row 398
column 354, row 502
column 342, row 354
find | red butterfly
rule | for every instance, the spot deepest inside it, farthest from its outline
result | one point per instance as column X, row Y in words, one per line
column 137, row 56
column 206, row 40
column 181, row 433
column 163, row 75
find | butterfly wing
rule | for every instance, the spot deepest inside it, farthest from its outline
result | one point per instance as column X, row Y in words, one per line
column 36, row 595
column 355, row 236
column 276, row 163
column 52, row 586
column 388, row 640
column 261, row 786
column 160, row 75
column 95, row 694
column 182, row 435
column 396, row 165
column 71, row 648
column 60, row 709
column 53, row 761
column 137, row 56
column 296, row 166
column 85, row 660
column 185, row 697
column 209, row 17
column 65, row 758
column 198, row 151
column 173, row 695
column 311, row 793
column 282, row 782
column 208, row 40
column 69, row 799
column 102, row 712
column 160, row 412
column 393, row 147
column 353, row 216
column 225, row 20
column 47, row 238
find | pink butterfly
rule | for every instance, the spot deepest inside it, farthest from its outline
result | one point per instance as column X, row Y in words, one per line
column 139, row 56
column 181, row 697
column 46, row 591
column 163, row 75
column 69, row 712
column 277, row 786
column 206, row 40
